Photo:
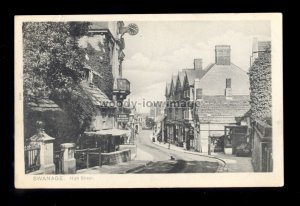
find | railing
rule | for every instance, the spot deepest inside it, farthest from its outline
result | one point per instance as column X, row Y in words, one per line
column 86, row 158
column 123, row 85
column 32, row 158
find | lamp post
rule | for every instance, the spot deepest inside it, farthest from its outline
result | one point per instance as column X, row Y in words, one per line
column 186, row 129
column 131, row 120
column 209, row 152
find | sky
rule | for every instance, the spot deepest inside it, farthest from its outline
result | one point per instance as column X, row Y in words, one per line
column 161, row 49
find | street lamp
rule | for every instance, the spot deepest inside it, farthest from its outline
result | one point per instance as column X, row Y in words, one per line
column 209, row 115
column 131, row 122
column 186, row 129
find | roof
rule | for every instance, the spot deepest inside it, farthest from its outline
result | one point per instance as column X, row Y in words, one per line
column 174, row 78
column 98, row 25
column 97, row 97
column 194, row 74
column 168, row 87
column 43, row 105
column 181, row 76
column 173, row 82
column 217, row 109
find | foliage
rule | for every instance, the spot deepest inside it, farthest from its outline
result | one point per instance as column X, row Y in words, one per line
column 100, row 61
column 243, row 150
column 53, row 66
column 260, row 88
column 150, row 122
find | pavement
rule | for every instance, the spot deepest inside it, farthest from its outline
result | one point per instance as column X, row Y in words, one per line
column 142, row 155
column 230, row 163
column 236, row 164
column 154, row 157
column 121, row 168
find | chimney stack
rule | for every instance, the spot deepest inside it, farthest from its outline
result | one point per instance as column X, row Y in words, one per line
column 197, row 64
column 222, row 54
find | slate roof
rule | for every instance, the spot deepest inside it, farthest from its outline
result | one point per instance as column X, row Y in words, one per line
column 222, row 110
column 174, row 78
column 194, row 74
column 96, row 95
column 181, row 76
column 98, row 25
column 168, row 86
column 43, row 105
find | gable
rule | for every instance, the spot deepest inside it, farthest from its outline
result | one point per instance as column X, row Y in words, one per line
column 178, row 84
column 214, row 81
column 185, row 82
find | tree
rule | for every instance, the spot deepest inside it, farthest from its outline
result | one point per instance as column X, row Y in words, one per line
column 150, row 122
column 53, row 66
column 261, row 88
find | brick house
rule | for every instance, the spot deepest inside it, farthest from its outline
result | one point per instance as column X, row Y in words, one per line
column 104, row 47
column 220, row 91
column 223, row 98
column 178, row 112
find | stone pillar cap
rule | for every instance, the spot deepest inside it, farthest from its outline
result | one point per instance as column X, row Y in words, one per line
column 41, row 137
column 67, row 145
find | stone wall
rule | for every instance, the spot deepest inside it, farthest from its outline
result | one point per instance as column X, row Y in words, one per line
column 113, row 158
column 132, row 148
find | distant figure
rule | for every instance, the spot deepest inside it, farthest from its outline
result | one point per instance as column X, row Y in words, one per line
column 172, row 158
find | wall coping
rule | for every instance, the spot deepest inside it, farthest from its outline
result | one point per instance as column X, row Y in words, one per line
column 67, row 145
column 116, row 152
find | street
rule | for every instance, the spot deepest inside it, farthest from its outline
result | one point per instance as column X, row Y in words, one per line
column 180, row 163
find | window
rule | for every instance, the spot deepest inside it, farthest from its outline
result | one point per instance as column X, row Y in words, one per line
column 186, row 93
column 199, row 93
column 186, row 114
column 228, row 83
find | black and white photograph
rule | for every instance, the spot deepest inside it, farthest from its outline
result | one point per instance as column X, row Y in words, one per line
column 148, row 101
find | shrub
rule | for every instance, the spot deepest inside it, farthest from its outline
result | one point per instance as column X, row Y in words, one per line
column 243, row 150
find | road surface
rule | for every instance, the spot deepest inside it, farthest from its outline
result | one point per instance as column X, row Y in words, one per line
column 181, row 162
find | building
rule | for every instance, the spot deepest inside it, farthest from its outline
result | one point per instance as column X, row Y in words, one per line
column 98, row 94
column 212, row 98
column 105, row 86
column 260, row 118
column 258, row 47
column 104, row 47
column 156, row 111
column 222, row 103
column 178, row 95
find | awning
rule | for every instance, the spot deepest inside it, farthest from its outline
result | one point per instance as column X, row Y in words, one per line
column 113, row 132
